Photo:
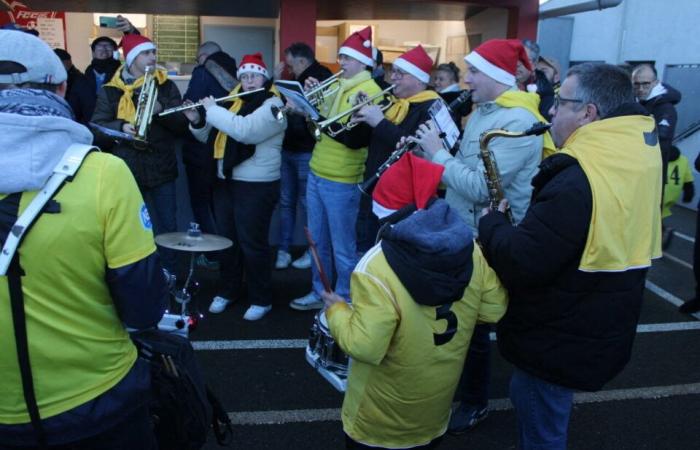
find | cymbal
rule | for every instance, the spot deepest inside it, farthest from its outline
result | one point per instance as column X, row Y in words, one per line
column 188, row 243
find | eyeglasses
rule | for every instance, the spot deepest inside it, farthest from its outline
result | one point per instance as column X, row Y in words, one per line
column 642, row 83
column 107, row 47
column 559, row 100
column 397, row 73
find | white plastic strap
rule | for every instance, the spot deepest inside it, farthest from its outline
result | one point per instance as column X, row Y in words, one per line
column 66, row 167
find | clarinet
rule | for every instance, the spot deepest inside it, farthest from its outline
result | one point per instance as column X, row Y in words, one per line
column 367, row 186
column 493, row 176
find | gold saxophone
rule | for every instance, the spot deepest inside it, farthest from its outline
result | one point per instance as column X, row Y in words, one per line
column 493, row 176
column 144, row 109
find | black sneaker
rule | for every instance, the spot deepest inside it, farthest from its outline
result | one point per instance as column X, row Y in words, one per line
column 690, row 307
column 465, row 417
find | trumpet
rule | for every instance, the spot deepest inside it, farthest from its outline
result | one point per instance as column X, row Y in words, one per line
column 217, row 100
column 318, row 94
column 144, row 109
column 492, row 175
column 317, row 128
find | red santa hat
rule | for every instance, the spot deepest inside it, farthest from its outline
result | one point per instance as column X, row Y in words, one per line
column 416, row 62
column 133, row 44
column 359, row 46
column 411, row 180
column 253, row 64
column 498, row 59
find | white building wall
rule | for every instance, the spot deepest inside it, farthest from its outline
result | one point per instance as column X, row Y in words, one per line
column 663, row 31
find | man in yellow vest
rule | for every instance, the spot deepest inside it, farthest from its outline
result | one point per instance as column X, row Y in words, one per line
column 337, row 165
column 575, row 266
column 410, row 74
column 416, row 297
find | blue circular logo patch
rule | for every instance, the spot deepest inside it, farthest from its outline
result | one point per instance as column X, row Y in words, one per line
column 146, row 218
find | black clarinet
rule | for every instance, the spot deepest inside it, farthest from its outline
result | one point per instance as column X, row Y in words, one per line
column 367, row 186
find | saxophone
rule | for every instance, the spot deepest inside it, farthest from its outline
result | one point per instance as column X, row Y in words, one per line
column 144, row 109
column 493, row 176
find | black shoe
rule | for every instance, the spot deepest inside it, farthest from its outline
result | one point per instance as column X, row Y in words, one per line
column 465, row 417
column 690, row 307
column 667, row 238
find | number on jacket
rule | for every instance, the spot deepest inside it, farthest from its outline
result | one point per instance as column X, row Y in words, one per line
column 443, row 313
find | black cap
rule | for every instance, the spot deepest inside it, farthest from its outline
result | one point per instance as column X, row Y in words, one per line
column 103, row 39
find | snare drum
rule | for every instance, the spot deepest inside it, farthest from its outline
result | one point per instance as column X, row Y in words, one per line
column 324, row 354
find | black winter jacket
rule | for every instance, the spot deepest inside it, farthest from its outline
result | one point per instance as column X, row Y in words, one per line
column 663, row 108
column 157, row 164
column 568, row 327
column 297, row 137
column 80, row 96
column 386, row 135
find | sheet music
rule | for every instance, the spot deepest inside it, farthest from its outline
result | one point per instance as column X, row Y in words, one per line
column 293, row 91
column 112, row 133
column 441, row 116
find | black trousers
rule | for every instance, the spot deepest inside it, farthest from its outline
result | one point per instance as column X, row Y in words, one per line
column 696, row 254
column 200, row 183
column 243, row 211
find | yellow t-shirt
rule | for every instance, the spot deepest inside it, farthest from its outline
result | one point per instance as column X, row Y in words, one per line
column 78, row 347
column 677, row 174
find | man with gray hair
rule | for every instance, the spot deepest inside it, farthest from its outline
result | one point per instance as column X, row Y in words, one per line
column 85, row 270
column 215, row 75
column 576, row 264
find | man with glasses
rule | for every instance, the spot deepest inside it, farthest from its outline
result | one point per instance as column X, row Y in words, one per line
column 659, row 100
column 576, row 264
column 105, row 63
column 410, row 75
column 491, row 78
column 215, row 75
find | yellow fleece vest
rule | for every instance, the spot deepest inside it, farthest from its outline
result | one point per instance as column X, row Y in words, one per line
column 331, row 159
column 622, row 161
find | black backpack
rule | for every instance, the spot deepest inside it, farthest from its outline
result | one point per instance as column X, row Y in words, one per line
column 182, row 406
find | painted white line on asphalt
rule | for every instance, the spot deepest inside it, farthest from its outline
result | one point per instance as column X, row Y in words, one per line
column 266, row 344
column 502, row 404
column 677, row 260
column 273, row 344
column 664, row 294
column 685, row 237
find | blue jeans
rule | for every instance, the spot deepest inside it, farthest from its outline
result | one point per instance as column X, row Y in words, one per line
column 294, row 172
column 162, row 207
column 332, row 215
column 542, row 410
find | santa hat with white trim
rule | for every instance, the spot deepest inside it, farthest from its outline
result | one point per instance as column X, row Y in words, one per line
column 359, row 46
column 133, row 44
column 416, row 62
column 498, row 59
column 410, row 180
column 253, row 64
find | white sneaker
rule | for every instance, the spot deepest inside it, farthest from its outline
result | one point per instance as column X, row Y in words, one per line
column 283, row 259
column 256, row 312
column 218, row 305
column 304, row 262
column 307, row 302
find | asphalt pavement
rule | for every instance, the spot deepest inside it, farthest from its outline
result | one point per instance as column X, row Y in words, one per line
column 277, row 401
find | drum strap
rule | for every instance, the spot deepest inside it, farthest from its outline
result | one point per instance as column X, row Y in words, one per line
column 10, row 266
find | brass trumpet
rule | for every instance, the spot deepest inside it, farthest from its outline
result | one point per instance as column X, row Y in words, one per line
column 217, row 100
column 317, row 128
column 144, row 109
column 318, row 94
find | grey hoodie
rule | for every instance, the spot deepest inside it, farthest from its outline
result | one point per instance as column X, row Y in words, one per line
column 31, row 146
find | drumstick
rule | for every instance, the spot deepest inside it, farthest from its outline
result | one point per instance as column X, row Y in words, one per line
column 317, row 261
